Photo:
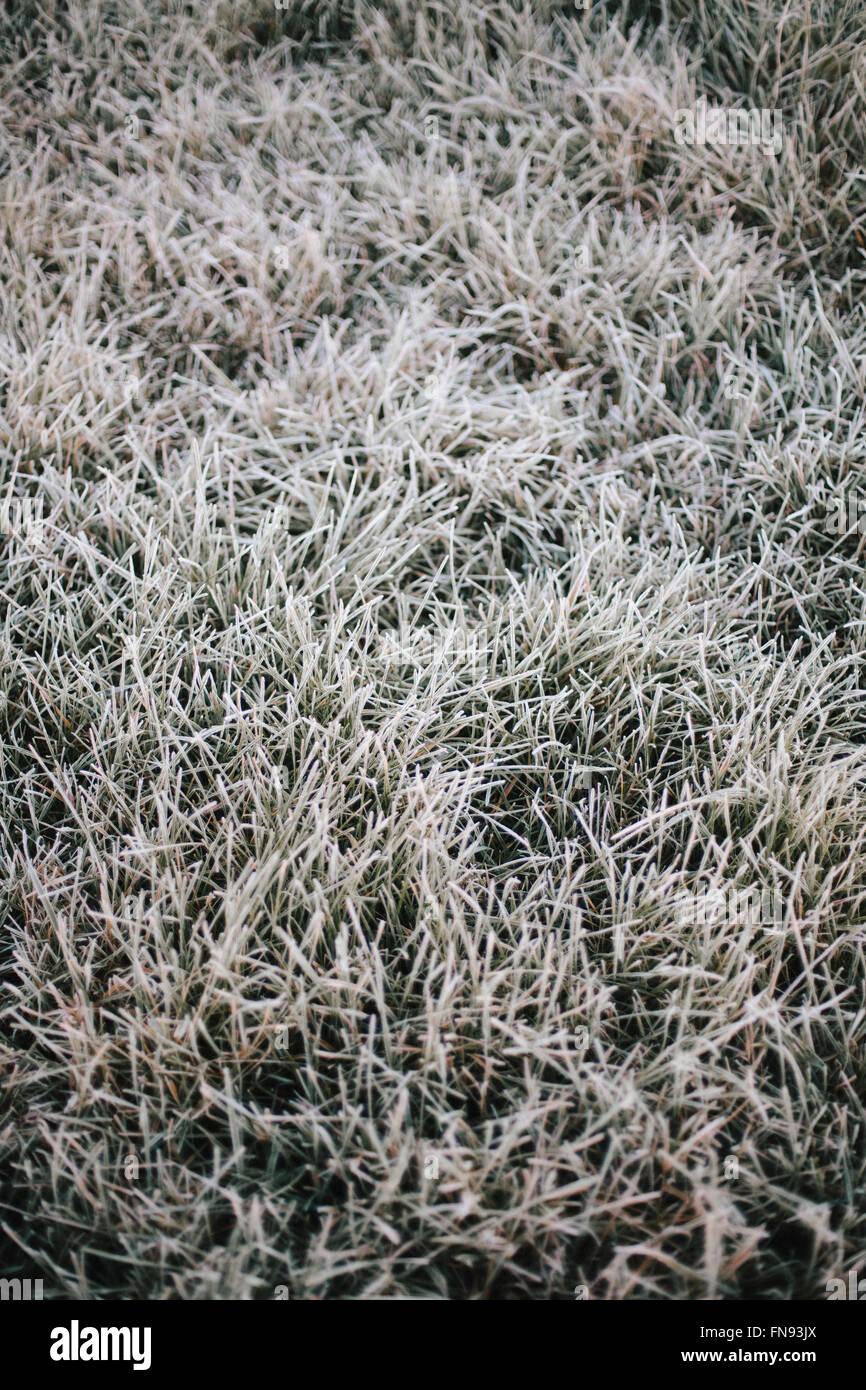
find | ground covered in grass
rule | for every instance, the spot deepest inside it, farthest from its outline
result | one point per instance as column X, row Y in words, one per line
column 438, row 597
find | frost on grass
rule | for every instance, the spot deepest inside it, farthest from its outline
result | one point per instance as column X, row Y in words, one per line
column 433, row 653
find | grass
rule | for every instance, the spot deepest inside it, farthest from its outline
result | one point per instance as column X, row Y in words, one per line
column 434, row 605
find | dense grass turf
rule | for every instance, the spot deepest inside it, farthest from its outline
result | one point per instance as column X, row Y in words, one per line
column 432, row 597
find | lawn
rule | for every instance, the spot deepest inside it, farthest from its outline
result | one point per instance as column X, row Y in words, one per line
column 432, row 648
